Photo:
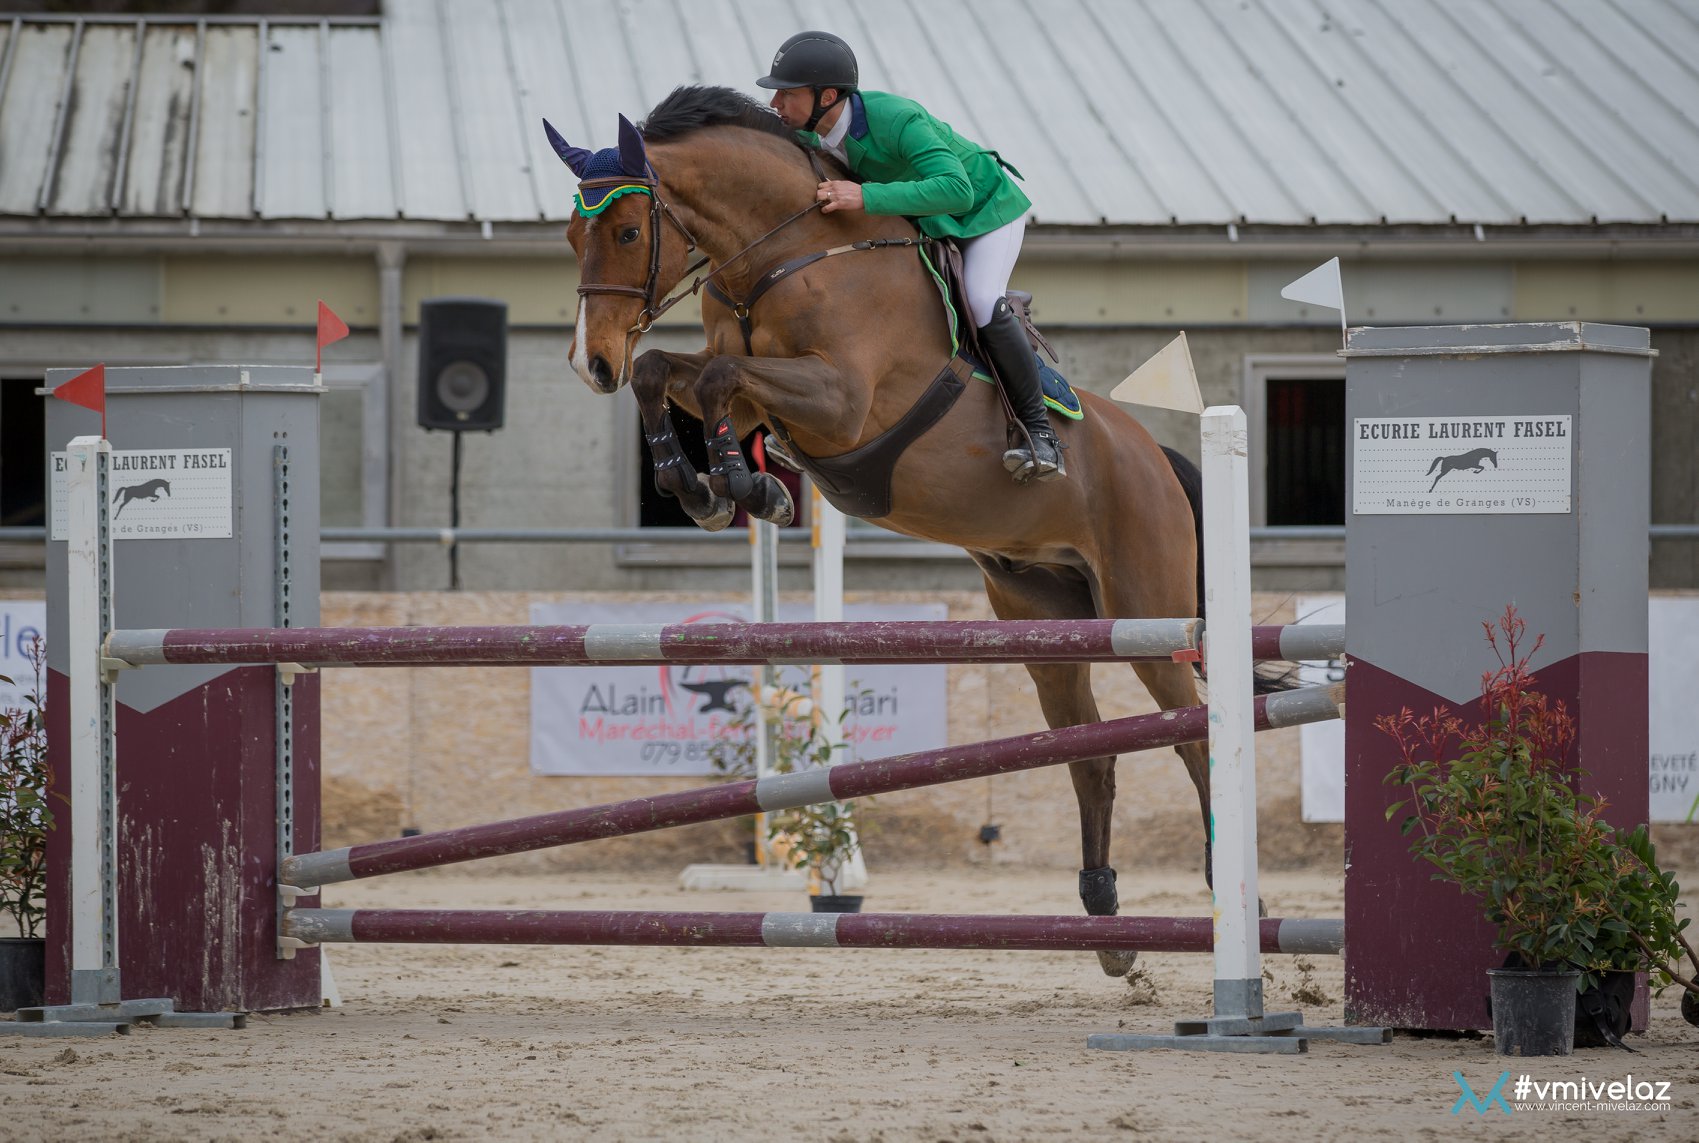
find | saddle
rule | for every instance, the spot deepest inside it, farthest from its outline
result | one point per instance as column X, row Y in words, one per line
column 945, row 258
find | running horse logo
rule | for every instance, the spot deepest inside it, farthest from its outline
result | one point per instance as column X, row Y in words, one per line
column 1473, row 461
column 149, row 491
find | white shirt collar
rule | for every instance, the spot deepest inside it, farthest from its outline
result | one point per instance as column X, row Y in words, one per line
column 833, row 140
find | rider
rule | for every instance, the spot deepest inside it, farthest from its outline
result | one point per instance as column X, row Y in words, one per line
column 919, row 166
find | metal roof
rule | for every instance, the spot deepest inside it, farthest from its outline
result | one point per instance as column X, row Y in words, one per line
column 1119, row 112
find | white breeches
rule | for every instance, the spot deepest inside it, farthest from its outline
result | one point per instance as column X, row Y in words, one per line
column 987, row 262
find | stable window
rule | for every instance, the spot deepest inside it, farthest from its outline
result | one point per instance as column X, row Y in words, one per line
column 23, row 456
column 1295, row 409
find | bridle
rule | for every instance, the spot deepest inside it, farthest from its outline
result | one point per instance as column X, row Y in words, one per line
column 658, row 209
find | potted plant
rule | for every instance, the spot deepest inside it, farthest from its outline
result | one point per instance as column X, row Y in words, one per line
column 1496, row 808
column 25, row 818
column 821, row 839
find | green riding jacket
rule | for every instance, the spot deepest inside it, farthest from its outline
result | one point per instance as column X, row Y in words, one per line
column 915, row 165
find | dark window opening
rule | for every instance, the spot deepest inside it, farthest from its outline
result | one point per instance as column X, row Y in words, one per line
column 1306, row 451
column 23, row 454
column 658, row 510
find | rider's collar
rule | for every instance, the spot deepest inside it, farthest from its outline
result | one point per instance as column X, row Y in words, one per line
column 858, row 116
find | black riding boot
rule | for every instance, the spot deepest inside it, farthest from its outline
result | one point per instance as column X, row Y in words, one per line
column 1005, row 340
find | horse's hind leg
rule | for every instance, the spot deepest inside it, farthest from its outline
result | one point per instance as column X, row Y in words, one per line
column 1064, row 694
column 1173, row 686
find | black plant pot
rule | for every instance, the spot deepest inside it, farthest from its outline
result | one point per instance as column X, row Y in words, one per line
column 1533, row 1011
column 23, row 972
column 835, row 903
column 1604, row 1012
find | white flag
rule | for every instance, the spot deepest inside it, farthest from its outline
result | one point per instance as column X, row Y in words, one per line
column 1166, row 381
column 1320, row 287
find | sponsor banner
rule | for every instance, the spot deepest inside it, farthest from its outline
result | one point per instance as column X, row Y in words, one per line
column 159, row 494
column 1443, row 466
column 659, row 719
column 1322, row 762
column 1673, row 762
column 22, row 621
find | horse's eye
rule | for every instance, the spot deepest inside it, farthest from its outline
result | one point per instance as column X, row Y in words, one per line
column 629, row 235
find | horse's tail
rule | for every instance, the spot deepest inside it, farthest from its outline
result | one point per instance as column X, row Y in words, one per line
column 1269, row 677
column 1433, row 466
column 1191, row 483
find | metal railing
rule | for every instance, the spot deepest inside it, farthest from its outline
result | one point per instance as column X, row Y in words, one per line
column 447, row 537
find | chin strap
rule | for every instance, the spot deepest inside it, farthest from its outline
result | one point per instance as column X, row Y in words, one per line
column 818, row 112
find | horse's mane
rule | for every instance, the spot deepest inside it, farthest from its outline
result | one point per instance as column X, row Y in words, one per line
column 694, row 106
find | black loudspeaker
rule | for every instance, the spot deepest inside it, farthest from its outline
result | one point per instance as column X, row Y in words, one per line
column 462, row 363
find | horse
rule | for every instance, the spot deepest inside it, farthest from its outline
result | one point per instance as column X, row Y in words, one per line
column 832, row 353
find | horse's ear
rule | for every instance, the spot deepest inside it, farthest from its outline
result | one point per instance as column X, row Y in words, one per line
column 574, row 157
column 633, row 159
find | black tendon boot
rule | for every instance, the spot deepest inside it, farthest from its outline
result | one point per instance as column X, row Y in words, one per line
column 1005, row 340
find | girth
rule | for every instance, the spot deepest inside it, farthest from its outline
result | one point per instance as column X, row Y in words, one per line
column 858, row 483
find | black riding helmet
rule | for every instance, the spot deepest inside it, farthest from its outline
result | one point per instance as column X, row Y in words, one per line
column 815, row 60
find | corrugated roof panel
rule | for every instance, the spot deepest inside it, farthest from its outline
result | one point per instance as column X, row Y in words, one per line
column 1211, row 130
column 362, row 171
column 292, row 141
column 720, row 43
column 1429, row 78
column 223, row 164
column 604, row 69
column 1588, row 84
column 94, row 123
column 30, row 113
column 495, row 157
column 1129, row 112
column 1071, row 177
column 424, row 125
column 1274, row 133
column 544, row 80
column 666, row 58
column 159, row 125
column 1383, row 143
column 896, row 54
column 1520, row 90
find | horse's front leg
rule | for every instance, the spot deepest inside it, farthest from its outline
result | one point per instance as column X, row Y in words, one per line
column 654, row 375
column 801, row 392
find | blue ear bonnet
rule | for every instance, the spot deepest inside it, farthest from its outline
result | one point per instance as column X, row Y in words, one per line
column 613, row 164
column 604, row 164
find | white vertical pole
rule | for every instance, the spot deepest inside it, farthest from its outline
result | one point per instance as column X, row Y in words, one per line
column 828, row 686
column 94, row 937
column 764, row 567
column 1232, row 727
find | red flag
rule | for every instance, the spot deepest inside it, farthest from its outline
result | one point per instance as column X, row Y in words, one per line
column 331, row 329
column 87, row 389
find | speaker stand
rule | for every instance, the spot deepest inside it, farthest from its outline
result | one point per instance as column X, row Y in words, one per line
column 454, row 517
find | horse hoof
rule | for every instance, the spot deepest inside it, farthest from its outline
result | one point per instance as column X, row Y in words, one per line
column 1116, row 963
column 771, row 501
column 715, row 512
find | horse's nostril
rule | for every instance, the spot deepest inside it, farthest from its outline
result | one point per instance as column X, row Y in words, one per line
column 601, row 371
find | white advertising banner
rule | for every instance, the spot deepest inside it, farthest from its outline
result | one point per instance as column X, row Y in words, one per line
column 1322, row 762
column 159, row 494
column 1443, row 466
column 22, row 621
column 1673, row 765
column 1675, row 719
column 659, row 719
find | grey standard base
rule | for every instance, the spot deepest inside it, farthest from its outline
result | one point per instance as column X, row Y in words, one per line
column 1277, row 1033
column 1273, row 1033
column 107, row 1019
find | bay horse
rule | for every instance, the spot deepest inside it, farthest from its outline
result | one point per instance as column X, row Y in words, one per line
column 833, row 353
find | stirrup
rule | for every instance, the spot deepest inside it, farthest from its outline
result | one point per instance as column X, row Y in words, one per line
column 1028, row 464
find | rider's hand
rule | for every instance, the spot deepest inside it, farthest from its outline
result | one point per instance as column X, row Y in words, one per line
column 839, row 196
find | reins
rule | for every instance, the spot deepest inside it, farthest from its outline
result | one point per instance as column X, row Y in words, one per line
column 658, row 208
